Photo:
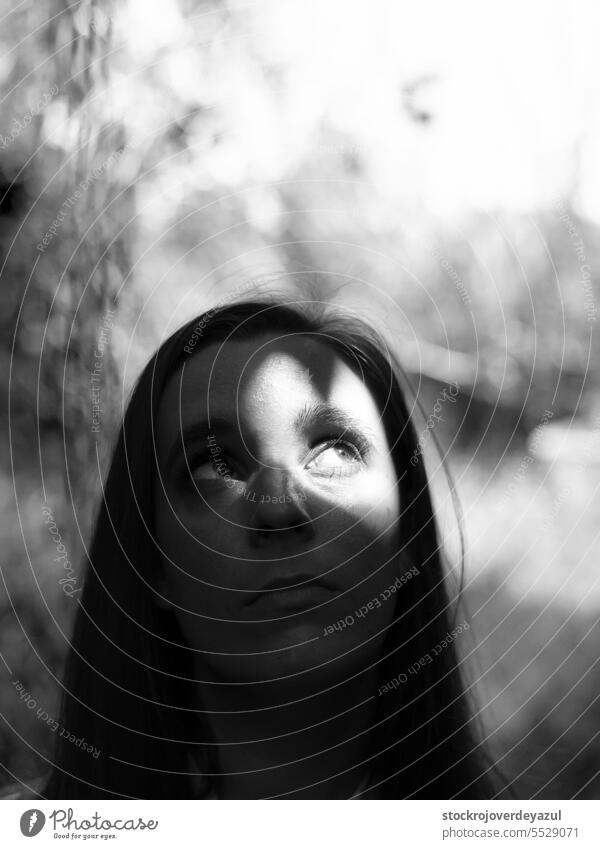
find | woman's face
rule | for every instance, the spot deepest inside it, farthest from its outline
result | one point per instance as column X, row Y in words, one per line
column 276, row 510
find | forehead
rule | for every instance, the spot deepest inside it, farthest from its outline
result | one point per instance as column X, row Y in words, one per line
column 266, row 377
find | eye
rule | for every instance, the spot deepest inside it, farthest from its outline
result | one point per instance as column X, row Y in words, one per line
column 208, row 468
column 204, row 470
column 336, row 458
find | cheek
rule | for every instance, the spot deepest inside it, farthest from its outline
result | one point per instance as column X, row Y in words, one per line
column 372, row 498
column 195, row 572
column 206, row 614
column 366, row 580
column 191, row 526
column 364, row 527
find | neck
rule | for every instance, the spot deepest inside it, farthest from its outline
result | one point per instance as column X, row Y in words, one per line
column 273, row 741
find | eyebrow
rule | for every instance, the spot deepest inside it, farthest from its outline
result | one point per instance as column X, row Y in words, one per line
column 327, row 415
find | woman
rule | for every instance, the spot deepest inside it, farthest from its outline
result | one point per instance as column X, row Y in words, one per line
column 265, row 612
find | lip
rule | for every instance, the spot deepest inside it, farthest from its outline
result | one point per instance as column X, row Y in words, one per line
column 293, row 592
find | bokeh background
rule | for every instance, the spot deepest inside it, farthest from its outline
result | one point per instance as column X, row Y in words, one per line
column 437, row 166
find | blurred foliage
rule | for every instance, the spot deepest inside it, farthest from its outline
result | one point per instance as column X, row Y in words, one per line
column 207, row 162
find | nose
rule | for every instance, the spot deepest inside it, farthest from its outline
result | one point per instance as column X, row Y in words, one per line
column 278, row 510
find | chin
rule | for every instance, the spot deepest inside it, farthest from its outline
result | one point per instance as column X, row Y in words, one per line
column 308, row 663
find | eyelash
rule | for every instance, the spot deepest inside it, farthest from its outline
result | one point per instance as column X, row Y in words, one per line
column 355, row 441
column 201, row 459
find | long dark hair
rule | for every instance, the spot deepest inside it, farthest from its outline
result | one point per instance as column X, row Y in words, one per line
column 128, row 685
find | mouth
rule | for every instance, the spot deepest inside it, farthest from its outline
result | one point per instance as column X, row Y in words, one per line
column 292, row 593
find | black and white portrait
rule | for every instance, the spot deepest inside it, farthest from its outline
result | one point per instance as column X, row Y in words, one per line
column 301, row 421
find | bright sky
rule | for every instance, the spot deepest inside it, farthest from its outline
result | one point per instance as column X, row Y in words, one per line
column 515, row 93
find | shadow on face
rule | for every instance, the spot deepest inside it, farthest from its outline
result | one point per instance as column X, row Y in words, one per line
column 276, row 510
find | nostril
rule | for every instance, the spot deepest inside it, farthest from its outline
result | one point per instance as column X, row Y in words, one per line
column 277, row 517
column 268, row 529
column 274, row 534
